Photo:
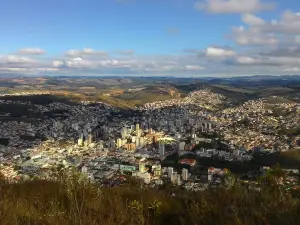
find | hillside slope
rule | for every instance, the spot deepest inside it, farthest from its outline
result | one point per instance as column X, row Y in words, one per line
column 75, row 201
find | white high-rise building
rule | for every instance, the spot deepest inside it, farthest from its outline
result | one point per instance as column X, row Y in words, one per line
column 119, row 143
column 170, row 171
column 181, row 146
column 161, row 149
column 112, row 144
column 209, row 126
column 90, row 139
column 137, row 127
column 138, row 133
column 178, row 181
column 142, row 167
column 174, row 177
column 81, row 136
column 185, row 174
column 133, row 139
column 124, row 132
column 140, row 142
column 80, row 142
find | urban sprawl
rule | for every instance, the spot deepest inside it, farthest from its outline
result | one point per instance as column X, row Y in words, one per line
column 159, row 142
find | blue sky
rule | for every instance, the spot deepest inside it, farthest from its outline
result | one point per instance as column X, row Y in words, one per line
column 150, row 37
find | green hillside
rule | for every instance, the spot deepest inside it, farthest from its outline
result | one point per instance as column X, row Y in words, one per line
column 73, row 200
column 150, row 94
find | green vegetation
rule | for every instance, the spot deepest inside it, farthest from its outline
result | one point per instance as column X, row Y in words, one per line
column 150, row 94
column 206, row 145
column 234, row 89
column 116, row 102
column 114, row 96
column 73, row 200
column 291, row 132
column 278, row 100
column 288, row 159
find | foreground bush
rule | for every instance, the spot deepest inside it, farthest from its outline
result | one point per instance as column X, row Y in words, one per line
column 72, row 200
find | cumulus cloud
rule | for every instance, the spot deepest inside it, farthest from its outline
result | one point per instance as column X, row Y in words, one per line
column 193, row 67
column 31, row 51
column 261, row 32
column 85, row 51
column 57, row 63
column 24, row 65
column 233, row 6
column 246, row 60
column 285, row 51
column 243, row 36
column 15, row 59
column 94, row 64
column 289, row 23
column 269, row 61
column 292, row 69
column 216, row 52
column 252, row 20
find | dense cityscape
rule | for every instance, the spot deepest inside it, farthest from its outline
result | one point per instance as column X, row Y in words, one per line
column 190, row 142
column 161, row 112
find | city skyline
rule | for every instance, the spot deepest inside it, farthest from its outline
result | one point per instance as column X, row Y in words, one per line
column 150, row 38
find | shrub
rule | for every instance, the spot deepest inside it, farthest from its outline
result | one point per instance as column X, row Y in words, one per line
column 72, row 199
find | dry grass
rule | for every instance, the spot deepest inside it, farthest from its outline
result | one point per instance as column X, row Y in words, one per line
column 73, row 200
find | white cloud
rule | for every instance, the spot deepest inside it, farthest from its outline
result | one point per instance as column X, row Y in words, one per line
column 73, row 52
column 268, row 61
column 252, row 37
column 57, row 63
column 289, row 23
column 233, row 6
column 90, row 64
column 246, row 60
column 252, row 20
column 216, row 52
column 283, row 51
column 193, row 67
column 14, row 59
column 31, row 51
column 261, row 32
column 85, row 51
column 28, row 70
column 292, row 69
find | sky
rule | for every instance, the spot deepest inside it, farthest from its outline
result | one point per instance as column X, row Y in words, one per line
column 186, row 38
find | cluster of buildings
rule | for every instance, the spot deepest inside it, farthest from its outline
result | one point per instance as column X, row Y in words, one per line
column 257, row 125
column 104, row 143
column 205, row 99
